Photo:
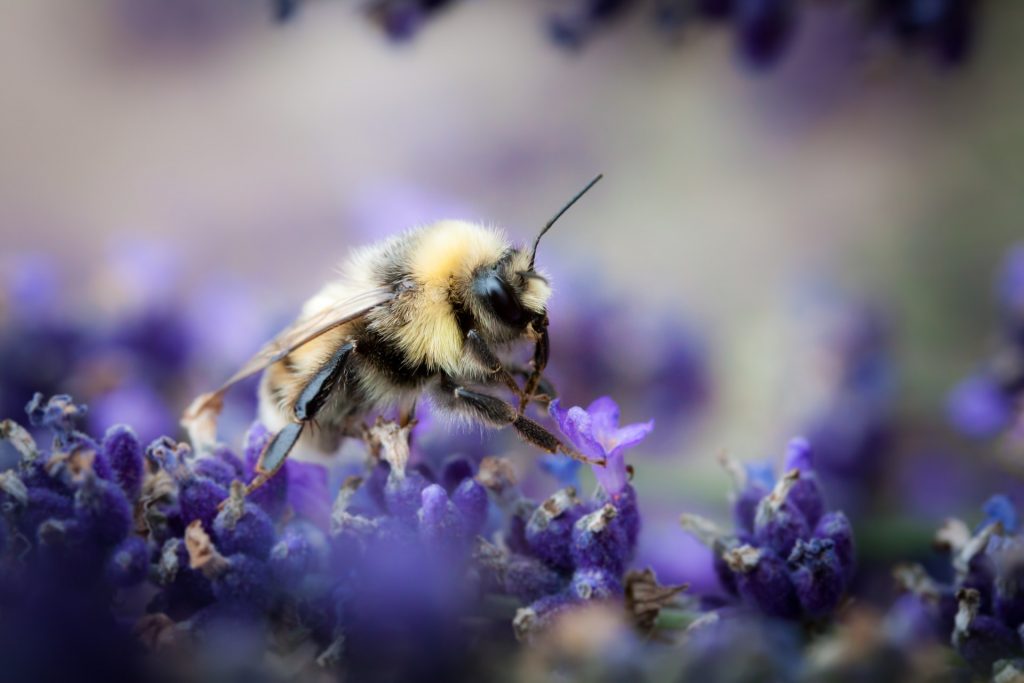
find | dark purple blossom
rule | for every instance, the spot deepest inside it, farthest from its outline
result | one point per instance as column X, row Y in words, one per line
column 123, row 453
column 980, row 610
column 243, row 527
column 981, row 639
column 199, row 498
column 550, row 528
column 778, row 561
column 470, row 499
column 216, row 470
column 128, row 563
column 103, row 512
column 763, row 581
column 598, row 542
column 818, row 576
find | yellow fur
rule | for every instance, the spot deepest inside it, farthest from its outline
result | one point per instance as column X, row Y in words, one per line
column 444, row 251
column 453, row 249
column 535, row 296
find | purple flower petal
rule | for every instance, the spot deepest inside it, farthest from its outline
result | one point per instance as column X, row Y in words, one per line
column 578, row 426
column 604, row 415
column 631, row 435
column 595, row 432
column 613, row 477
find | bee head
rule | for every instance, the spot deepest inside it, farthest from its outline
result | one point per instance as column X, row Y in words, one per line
column 509, row 295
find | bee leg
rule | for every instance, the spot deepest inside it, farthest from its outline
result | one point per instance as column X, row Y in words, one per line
column 311, row 399
column 497, row 413
column 540, row 361
column 483, row 354
column 546, row 391
column 407, row 415
column 276, row 452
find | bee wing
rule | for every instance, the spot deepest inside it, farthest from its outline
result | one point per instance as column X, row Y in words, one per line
column 200, row 417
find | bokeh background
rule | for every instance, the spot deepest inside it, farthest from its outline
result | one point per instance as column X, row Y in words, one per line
column 197, row 166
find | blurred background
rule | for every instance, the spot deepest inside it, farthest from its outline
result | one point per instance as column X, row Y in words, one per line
column 805, row 249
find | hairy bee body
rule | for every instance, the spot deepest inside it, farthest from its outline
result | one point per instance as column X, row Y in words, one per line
column 415, row 342
column 424, row 313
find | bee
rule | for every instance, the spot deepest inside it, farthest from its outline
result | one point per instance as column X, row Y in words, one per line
column 422, row 313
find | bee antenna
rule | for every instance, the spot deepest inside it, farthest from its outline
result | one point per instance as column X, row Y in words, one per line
column 533, row 254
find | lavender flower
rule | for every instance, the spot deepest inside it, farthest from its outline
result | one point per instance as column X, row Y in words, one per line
column 789, row 557
column 596, row 432
column 123, row 453
column 983, row 404
column 981, row 610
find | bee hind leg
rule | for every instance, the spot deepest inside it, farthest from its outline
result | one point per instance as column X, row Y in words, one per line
column 309, row 402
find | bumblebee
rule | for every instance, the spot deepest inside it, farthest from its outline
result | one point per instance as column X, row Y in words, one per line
column 422, row 313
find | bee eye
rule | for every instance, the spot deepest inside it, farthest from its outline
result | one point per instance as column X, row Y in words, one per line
column 500, row 298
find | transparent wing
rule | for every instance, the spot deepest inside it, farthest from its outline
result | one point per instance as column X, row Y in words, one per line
column 206, row 407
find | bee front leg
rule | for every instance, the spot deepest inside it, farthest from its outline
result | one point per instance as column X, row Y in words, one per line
column 309, row 402
column 495, row 412
column 482, row 354
column 541, row 350
column 546, row 391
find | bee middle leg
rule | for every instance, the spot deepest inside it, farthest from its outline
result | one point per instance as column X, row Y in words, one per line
column 309, row 402
column 497, row 413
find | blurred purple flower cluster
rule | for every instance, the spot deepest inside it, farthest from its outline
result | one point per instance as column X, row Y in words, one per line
column 985, row 403
column 567, row 550
column 850, row 417
column 764, row 30
column 788, row 557
column 977, row 603
column 129, row 341
column 161, row 544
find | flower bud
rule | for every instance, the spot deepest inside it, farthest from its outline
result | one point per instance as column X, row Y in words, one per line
column 103, row 512
column 550, row 527
column 246, row 585
column 43, row 504
column 198, row 498
column 522, row 576
column 439, row 519
column 301, row 551
column 779, row 523
column 529, row 621
column 806, row 493
column 123, row 453
column 242, row 527
column 216, row 470
column 454, row 472
column 981, row 639
column 817, row 576
column 762, row 579
column 128, row 563
column 595, row 583
column 836, row 527
column 470, row 498
column 598, row 542
column 272, row 497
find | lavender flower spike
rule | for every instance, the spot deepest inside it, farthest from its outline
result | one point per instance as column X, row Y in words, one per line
column 596, row 433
